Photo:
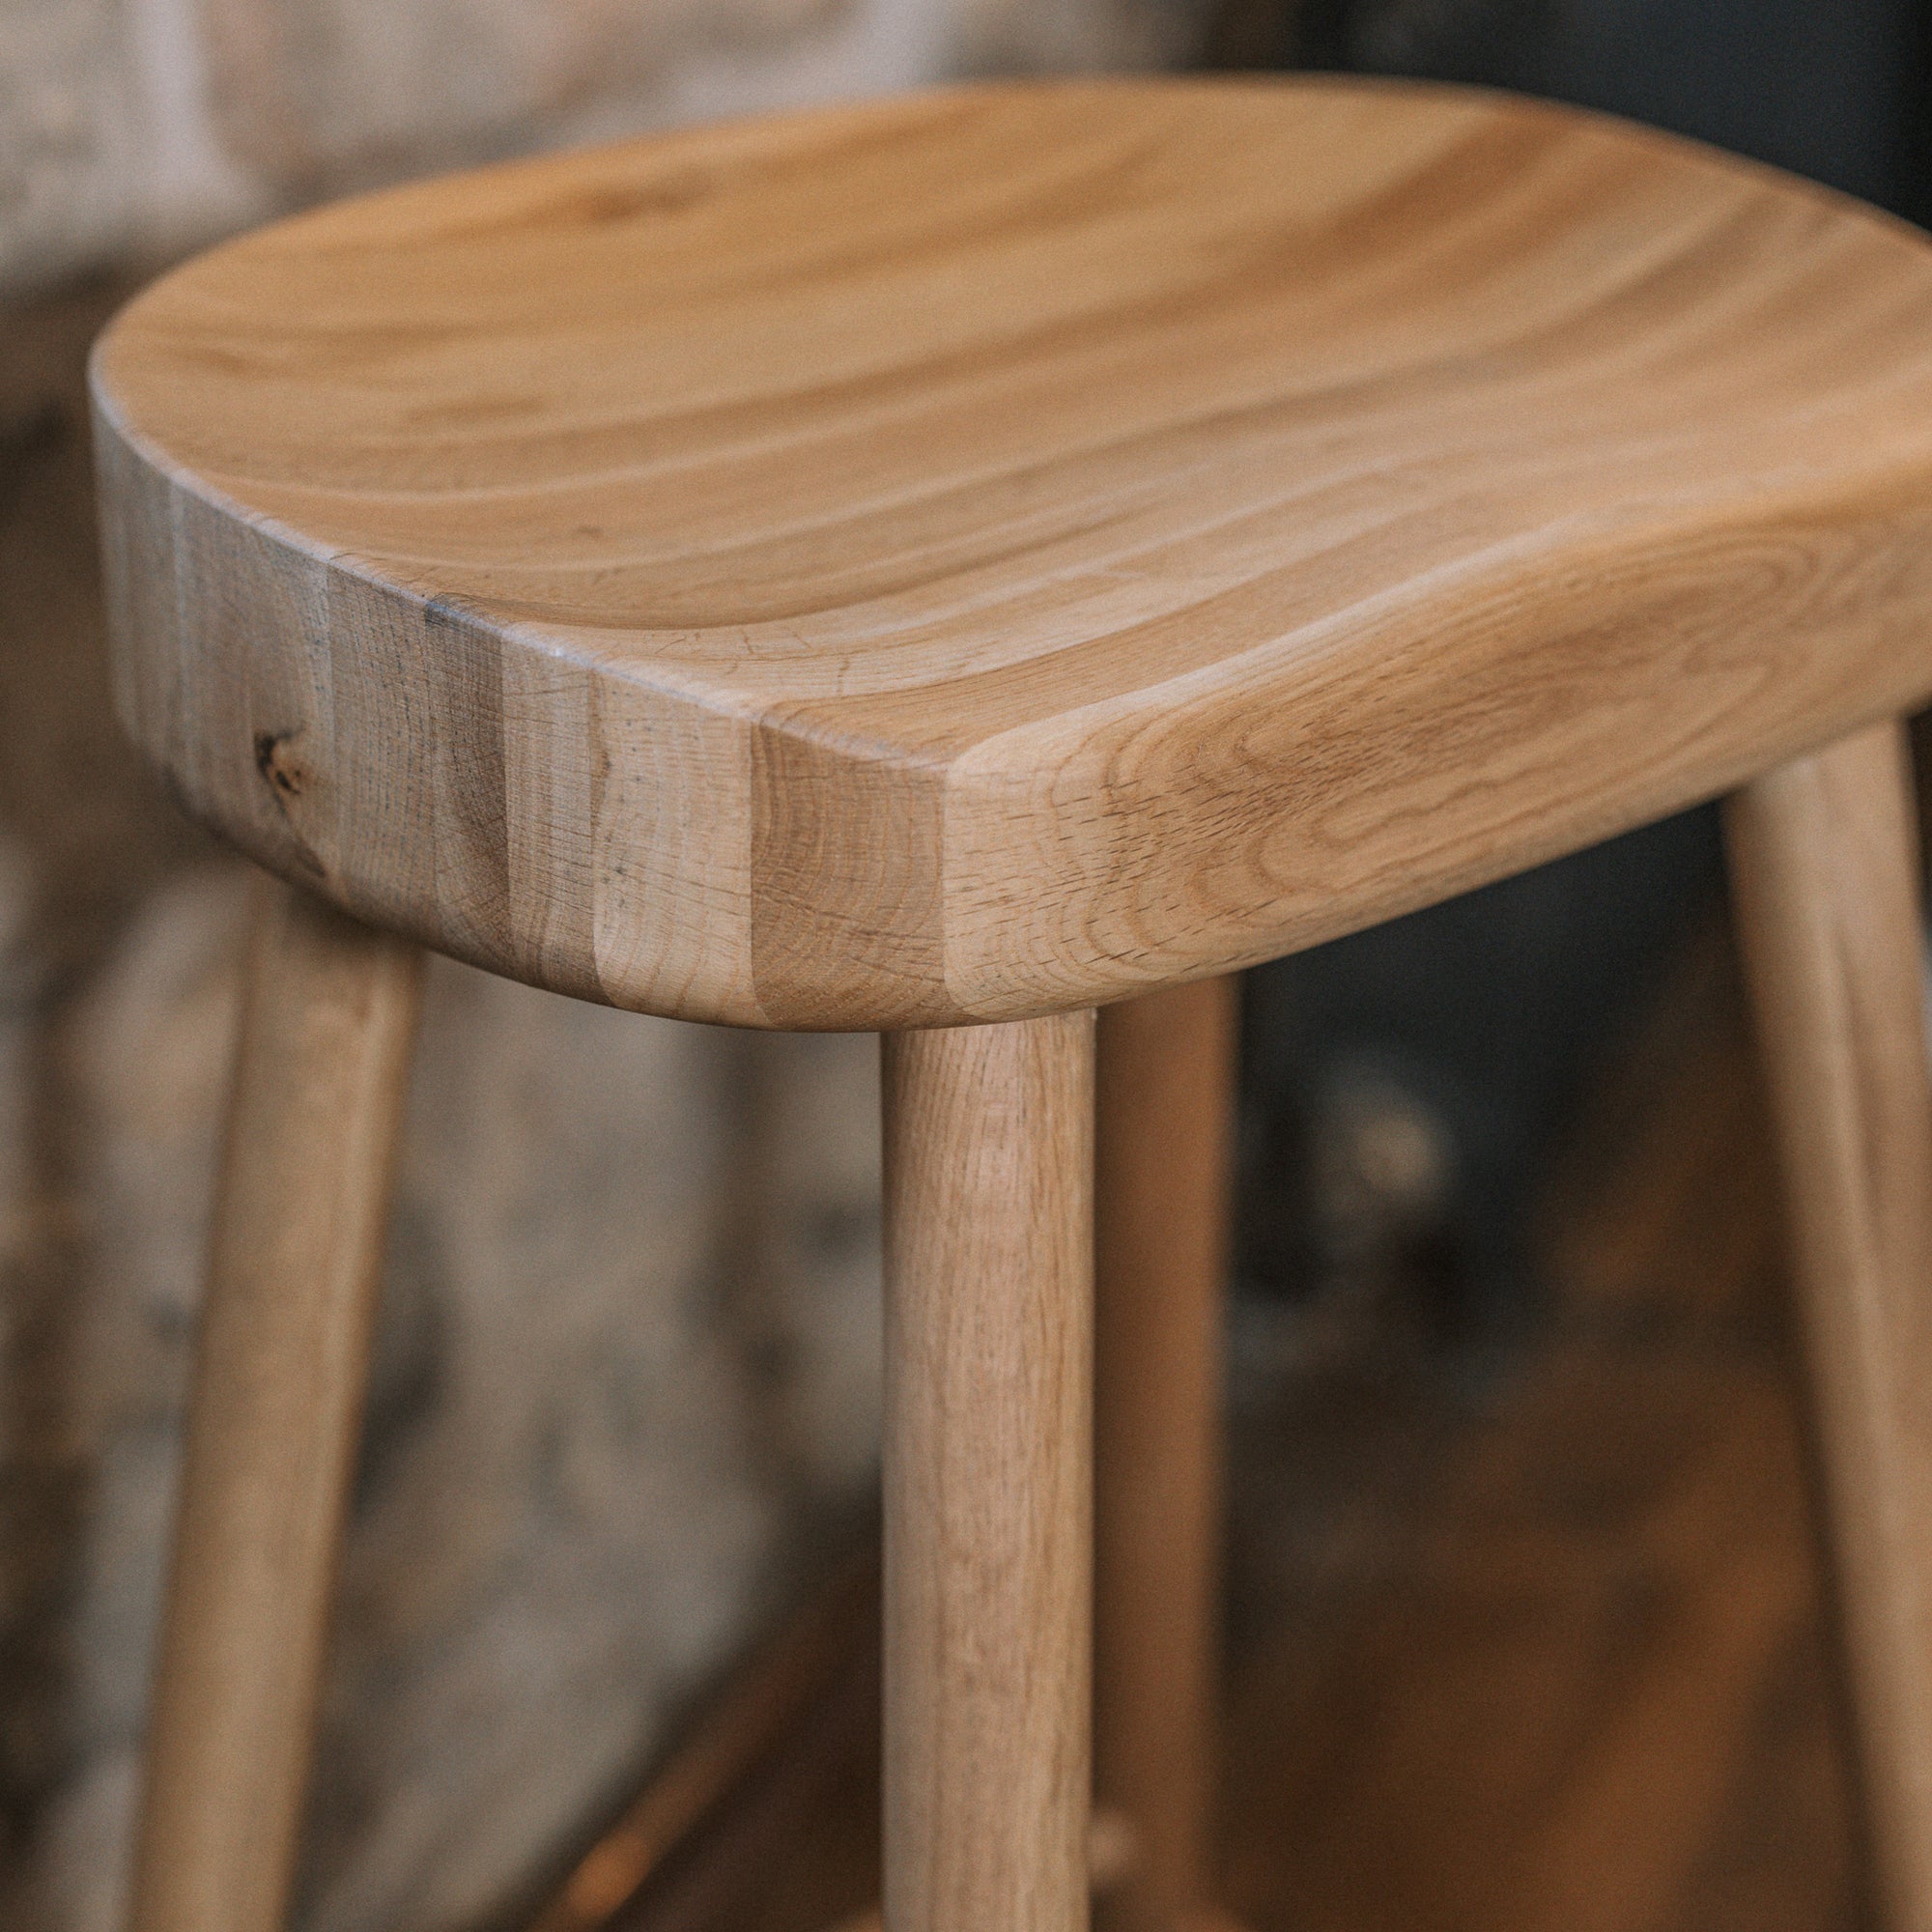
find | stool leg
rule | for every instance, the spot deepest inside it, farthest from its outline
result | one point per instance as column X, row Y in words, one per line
column 1824, row 875
column 274, row 1417
column 988, row 1475
column 1162, row 1194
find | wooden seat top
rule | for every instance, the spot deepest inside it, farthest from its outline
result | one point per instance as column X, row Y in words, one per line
column 993, row 551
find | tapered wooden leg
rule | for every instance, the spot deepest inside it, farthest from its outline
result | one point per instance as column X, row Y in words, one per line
column 1162, row 1192
column 988, row 1475
column 1825, row 872
column 272, row 1423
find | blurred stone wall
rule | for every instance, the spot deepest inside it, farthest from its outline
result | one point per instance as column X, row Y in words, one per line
column 137, row 127
column 626, row 1394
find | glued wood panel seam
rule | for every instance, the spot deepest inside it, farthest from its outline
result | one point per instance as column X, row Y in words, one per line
column 991, row 552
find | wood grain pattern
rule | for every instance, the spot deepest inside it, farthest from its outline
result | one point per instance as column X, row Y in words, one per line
column 988, row 1476
column 992, row 552
column 274, row 1416
column 1163, row 1193
column 1825, row 865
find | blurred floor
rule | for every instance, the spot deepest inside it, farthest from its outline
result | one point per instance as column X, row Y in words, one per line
column 1518, row 1644
column 1538, row 1649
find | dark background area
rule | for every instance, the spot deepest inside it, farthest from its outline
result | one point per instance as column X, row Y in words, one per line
column 1833, row 88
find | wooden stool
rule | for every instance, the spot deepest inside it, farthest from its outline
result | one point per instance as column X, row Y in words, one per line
column 941, row 567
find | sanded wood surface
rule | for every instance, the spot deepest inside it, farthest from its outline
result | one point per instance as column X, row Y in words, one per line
column 988, row 1476
column 274, row 1416
column 1824, row 866
column 1163, row 1188
column 985, row 553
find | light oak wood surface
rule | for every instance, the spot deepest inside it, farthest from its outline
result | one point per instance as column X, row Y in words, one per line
column 988, row 1476
column 1163, row 1189
column 991, row 552
column 1826, row 875
column 274, row 1415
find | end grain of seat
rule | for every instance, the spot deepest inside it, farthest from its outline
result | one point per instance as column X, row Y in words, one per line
column 979, row 556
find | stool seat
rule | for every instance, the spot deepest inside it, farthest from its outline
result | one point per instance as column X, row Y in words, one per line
column 974, row 557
